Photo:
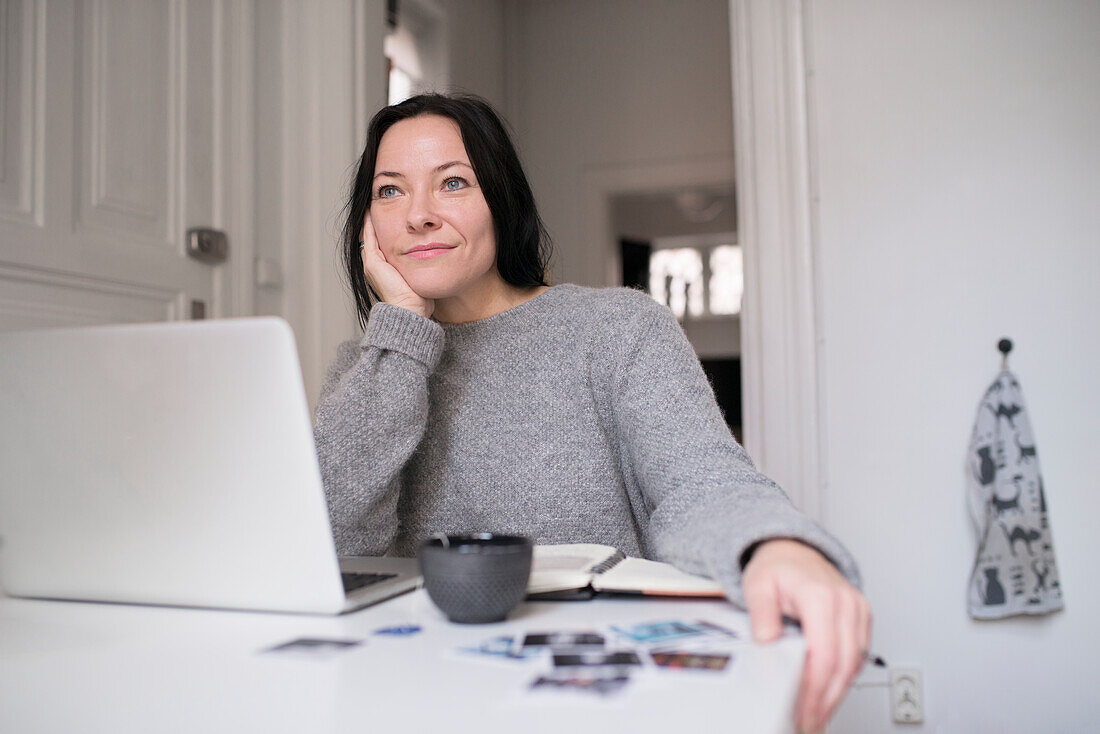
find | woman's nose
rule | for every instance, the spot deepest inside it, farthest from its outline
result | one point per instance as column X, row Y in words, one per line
column 421, row 214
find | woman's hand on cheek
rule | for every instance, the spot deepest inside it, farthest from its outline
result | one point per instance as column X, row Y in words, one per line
column 786, row 577
column 384, row 279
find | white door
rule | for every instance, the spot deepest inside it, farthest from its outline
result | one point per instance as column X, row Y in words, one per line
column 113, row 120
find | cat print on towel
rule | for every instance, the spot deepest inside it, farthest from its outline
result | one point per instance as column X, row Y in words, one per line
column 994, row 593
column 986, row 469
column 1025, row 535
column 1006, row 489
column 1041, row 573
column 1008, row 412
column 1000, row 506
column 1027, row 453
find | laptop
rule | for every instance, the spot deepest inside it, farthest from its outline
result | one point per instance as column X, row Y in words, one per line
column 170, row 464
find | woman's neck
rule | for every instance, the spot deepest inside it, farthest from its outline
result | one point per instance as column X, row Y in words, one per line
column 478, row 304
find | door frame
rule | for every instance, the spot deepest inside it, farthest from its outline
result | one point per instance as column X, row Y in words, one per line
column 332, row 79
column 236, row 281
column 782, row 370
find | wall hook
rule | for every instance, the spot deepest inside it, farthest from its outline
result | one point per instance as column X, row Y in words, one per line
column 1005, row 345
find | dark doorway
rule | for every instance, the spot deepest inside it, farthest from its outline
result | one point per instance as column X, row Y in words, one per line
column 634, row 256
column 724, row 374
column 725, row 378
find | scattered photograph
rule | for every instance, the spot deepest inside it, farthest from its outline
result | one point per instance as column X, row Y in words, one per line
column 563, row 639
column 659, row 633
column 595, row 659
column 501, row 648
column 716, row 629
column 403, row 630
column 656, row 632
column 574, row 682
column 691, row 660
column 313, row 647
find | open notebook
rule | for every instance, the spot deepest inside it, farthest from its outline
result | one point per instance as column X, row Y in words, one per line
column 579, row 570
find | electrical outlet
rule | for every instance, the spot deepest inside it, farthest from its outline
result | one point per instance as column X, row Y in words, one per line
column 906, row 695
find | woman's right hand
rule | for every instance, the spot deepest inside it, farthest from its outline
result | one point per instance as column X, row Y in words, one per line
column 384, row 279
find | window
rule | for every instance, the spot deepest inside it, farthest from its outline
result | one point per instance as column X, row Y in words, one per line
column 698, row 280
column 404, row 65
column 727, row 280
column 416, row 49
column 676, row 279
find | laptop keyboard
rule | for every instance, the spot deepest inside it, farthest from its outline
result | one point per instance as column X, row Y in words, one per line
column 355, row 581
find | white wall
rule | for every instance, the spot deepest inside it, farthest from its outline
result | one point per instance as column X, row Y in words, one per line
column 599, row 90
column 476, row 42
column 957, row 158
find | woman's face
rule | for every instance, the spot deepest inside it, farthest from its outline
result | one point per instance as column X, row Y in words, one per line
column 429, row 214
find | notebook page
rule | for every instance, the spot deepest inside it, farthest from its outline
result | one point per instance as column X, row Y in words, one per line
column 559, row 567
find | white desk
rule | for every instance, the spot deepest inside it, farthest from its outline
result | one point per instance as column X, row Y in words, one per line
column 68, row 667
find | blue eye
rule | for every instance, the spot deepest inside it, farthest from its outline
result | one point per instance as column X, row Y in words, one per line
column 383, row 189
column 455, row 180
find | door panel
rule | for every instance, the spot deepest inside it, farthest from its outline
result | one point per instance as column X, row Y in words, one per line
column 18, row 200
column 110, row 151
column 128, row 87
column 32, row 300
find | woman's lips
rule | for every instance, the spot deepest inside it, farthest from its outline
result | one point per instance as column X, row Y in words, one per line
column 423, row 252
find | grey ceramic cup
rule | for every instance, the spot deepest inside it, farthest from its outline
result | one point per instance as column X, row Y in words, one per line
column 476, row 578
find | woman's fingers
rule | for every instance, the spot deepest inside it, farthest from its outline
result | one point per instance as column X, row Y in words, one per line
column 865, row 622
column 796, row 580
column 373, row 259
column 761, row 588
column 818, row 617
column 366, row 236
column 384, row 279
column 373, row 265
column 762, row 601
column 850, row 652
column 839, row 647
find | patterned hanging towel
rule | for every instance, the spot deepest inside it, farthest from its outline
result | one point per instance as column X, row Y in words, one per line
column 1015, row 571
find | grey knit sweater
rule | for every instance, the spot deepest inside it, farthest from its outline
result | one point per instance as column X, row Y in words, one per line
column 580, row 416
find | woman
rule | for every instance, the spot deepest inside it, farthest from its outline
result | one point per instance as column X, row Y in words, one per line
column 481, row 399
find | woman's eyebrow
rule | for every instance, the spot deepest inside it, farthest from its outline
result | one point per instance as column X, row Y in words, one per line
column 442, row 167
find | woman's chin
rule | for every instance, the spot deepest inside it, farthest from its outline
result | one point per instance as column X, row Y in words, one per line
column 432, row 290
column 437, row 284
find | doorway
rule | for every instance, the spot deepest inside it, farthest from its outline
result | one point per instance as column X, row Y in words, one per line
column 680, row 246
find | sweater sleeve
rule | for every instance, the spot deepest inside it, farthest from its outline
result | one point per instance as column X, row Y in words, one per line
column 371, row 415
column 707, row 503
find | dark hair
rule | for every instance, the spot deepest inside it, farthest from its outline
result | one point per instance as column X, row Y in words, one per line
column 523, row 245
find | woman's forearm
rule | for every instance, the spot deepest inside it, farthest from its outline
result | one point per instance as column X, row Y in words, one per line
column 372, row 414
